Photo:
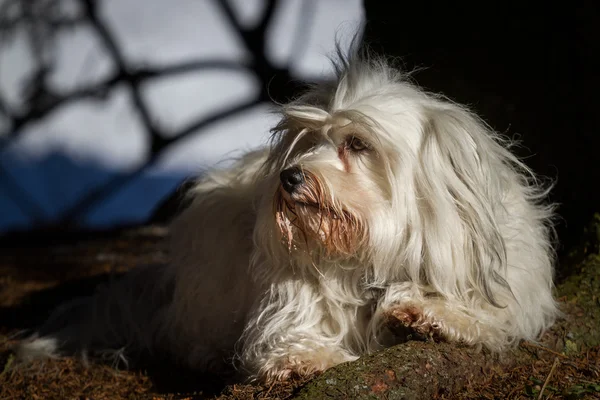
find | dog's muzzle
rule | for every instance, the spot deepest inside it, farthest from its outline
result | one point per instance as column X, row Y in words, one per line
column 291, row 179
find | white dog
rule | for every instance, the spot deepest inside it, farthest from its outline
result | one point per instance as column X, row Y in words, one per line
column 376, row 205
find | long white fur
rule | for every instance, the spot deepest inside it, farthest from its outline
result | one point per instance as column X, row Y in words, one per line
column 451, row 224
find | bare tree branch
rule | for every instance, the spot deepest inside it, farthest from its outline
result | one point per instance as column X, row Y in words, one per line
column 225, row 7
column 110, row 42
column 74, row 214
column 190, row 66
column 254, row 37
column 38, row 111
column 267, row 16
column 100, row 90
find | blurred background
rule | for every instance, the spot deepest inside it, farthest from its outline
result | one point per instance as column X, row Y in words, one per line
column 107, row 106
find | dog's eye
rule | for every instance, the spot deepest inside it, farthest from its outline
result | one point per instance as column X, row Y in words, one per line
column 356, row 144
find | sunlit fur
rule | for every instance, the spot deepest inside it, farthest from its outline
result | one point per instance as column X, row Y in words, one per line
column 413, row 213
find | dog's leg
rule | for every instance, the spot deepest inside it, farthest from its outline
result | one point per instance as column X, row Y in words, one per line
column 435, row 319
column 295, row 332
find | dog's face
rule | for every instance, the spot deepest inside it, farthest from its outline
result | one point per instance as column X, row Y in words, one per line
column 327, row 186
column 336, row 174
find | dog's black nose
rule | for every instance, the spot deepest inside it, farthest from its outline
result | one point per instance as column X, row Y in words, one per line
column 291, row 178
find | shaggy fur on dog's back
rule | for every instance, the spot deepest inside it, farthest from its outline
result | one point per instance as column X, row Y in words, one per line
column 376, row 204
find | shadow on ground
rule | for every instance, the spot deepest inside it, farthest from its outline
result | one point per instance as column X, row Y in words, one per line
column 42, row 270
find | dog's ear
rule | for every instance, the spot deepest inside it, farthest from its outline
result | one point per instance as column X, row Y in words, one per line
column 459, row 183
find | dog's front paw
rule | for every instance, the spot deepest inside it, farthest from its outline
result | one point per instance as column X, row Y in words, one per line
column 413, row 317
column 303, row 365
column 291, row 372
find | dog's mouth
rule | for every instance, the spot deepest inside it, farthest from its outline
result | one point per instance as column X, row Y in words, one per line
column 309, row 207
column 299, row 216
column 297, row 200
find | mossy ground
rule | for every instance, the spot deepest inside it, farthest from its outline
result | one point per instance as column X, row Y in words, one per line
column 36, row 273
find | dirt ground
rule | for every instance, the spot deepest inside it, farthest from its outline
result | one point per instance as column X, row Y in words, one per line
column 39, row 271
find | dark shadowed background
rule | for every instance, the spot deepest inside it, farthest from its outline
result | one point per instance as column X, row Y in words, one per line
column 531, row 70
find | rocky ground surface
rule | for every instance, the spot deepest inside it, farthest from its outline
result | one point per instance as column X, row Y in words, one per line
column 38, row 271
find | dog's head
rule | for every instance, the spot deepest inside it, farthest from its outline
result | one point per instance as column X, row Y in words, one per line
column 374, row 169
column 333, row 162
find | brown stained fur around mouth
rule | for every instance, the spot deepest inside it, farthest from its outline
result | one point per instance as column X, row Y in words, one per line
column 314, row 217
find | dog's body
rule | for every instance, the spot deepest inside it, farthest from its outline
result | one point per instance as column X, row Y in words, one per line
column 375, row 204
